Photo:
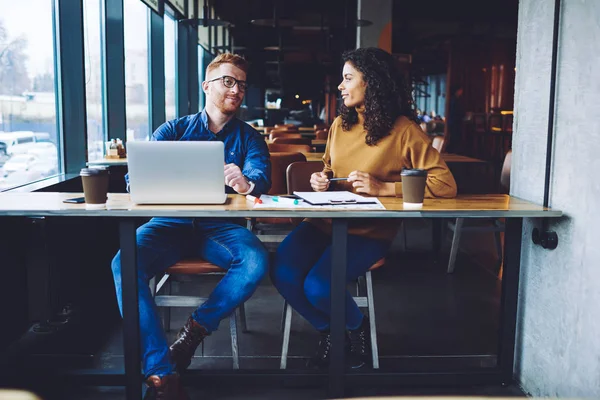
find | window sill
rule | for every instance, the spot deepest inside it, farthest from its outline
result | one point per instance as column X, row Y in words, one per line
column 41, row 184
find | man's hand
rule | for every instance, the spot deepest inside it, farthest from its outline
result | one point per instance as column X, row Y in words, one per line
column 366, row 183
column 235, row 179
column 319, row 181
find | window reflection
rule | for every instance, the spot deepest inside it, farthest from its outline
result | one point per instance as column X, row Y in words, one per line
column 136, row 70
column 29, row 142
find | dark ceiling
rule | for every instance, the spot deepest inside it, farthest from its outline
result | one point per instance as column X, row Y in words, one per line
column 323, row 29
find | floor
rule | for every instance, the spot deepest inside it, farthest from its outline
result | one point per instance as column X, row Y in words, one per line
column 425, row 317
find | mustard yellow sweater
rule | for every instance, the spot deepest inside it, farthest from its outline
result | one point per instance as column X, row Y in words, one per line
column 405, row 147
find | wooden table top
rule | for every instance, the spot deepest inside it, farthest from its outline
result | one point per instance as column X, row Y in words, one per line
column 447, row 157
column 314, row 142
column 120, row 205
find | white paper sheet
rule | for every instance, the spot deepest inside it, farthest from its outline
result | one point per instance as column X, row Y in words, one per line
column 287, row 203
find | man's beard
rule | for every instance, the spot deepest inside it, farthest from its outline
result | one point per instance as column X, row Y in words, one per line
column 229, row 110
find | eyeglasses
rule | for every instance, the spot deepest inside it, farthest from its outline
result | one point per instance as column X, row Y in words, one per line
column 230, row 81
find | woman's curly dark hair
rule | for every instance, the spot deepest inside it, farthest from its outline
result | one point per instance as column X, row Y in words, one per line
column 387, row 94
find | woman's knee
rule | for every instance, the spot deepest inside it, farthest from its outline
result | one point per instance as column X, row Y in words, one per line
column 283, row 271
column 317, row 291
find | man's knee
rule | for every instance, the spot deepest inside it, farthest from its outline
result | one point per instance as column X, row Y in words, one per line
column 255, row 261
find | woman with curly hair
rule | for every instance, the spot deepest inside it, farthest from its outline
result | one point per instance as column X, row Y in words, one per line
column 373, row 139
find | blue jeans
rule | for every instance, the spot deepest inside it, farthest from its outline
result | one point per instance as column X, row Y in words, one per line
column 164, row 241
column 302, row 272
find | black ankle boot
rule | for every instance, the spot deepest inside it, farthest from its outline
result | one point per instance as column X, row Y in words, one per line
column 359, row 353
column 321, row 357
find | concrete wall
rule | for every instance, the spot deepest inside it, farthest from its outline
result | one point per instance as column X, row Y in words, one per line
column 379, row 34
column 558, row 335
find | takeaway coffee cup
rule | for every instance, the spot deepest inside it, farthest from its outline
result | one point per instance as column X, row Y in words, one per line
column 95, row 187
column 413, row 187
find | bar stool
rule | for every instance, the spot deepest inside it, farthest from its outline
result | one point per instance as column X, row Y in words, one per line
column 362, row 302
column 196, row 266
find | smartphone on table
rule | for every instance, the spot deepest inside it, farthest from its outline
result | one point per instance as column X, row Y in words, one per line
column 75, row 200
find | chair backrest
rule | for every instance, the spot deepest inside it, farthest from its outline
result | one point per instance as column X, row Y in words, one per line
column 276, row 134
column 298, row 175
column 438, row 143
column 279, row 165
column 285, row 129
column 321, row 134
column 289, row 148
column 284, row 126
column 286, row 140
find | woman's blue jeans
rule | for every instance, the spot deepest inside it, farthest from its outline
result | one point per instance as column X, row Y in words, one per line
column 302, row 272
column 164, row 241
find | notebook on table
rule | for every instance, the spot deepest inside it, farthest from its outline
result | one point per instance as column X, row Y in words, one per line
column 334, row 198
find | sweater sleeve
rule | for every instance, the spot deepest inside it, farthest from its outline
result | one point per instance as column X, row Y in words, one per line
column 327, row 155
column 417, row 148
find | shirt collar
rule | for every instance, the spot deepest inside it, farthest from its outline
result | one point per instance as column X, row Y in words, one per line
column 226, row 129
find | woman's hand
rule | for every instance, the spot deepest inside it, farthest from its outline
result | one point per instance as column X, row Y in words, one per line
column 319, row 182
column 364, row 182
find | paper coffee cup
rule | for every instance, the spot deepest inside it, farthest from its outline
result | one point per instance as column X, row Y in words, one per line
column 413, row 187
column 95, row 187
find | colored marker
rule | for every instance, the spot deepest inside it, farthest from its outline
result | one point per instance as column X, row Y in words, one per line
column 279, row 199
column 338, row 179
column 253, row 199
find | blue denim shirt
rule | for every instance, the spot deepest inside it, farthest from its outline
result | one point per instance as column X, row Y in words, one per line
column 243, row 146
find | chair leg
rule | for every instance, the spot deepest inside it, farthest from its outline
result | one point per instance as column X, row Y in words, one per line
column 166, row 311
column 283, row 316
column 152, row 285
column 370, row 301
column 243, row 318
column 286, row 336
column 455, row 243
column 234, row 339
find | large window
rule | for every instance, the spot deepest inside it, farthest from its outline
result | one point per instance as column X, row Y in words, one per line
column 93, row 78
column 136, row 70
column 29, row 143
column 204, row 58
column 170, row 67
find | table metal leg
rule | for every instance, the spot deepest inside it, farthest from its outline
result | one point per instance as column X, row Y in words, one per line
column 338, row 306
column 509, row 299
column 131, row 314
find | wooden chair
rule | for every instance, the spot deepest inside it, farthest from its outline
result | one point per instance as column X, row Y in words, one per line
column 299, row 180
column 289, row 148
column 366, row 301
column 298, row 175
column 322, row 134
column 274, row 230
column 286, row 140
column 274, row 135
column 497, row 226
column 195, row 266
column 280, row 163
column 284, row 126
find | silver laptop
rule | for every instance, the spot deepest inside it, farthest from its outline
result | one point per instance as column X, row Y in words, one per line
column 176, row 172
